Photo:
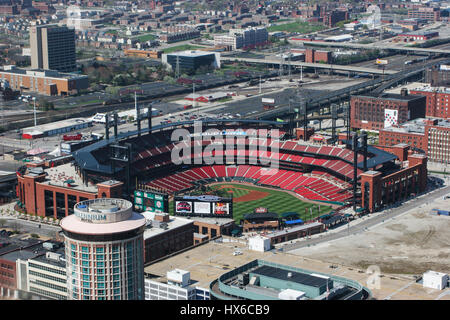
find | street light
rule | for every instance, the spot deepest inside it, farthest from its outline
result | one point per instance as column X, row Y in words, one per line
column 34, row 103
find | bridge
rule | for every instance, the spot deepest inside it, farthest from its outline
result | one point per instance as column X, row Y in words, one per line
column 320, row 102
column 336, row 67
column 371, row 46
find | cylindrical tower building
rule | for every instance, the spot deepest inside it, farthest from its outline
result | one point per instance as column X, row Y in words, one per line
column 104, row 251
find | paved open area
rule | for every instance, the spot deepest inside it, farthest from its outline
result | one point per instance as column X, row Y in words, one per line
column 408, row 244
column 207, row 262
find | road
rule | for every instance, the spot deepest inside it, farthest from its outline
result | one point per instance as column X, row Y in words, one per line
column 372, row 46
column 30, row 227
column 271, row 60
column 371, row 221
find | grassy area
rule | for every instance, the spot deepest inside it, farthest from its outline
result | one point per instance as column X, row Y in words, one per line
column 298, row 26
column 276, row 201
column 182, row 47
column 146, row 37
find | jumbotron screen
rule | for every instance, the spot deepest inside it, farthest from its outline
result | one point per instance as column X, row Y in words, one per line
column 150, row 201
column 203, row 206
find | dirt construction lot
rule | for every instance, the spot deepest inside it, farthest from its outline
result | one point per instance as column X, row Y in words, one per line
column 409, row 244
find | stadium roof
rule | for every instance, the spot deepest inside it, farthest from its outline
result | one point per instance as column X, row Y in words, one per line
column 294, row 221
column 262, row 215
column 87, row 161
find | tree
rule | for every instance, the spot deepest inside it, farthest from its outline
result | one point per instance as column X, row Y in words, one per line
column 2, row 222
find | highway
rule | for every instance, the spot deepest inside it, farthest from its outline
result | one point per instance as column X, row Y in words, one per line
column 311, row 65
column 370, row 221
column 371, row 46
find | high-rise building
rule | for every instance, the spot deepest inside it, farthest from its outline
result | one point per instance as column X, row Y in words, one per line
column 53, row 48
column 104, row 251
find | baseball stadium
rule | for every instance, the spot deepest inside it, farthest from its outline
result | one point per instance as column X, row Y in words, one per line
column 309, row 178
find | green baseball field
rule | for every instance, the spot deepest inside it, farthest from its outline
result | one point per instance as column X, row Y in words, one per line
column 246, row 198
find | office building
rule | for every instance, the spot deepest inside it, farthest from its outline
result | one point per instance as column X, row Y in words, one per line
column 165, row 235
column 431, row 136
column 243, row 38
column 104, row 251
column 175, row 286
column 191, row 60
column 53, row 48
column 44, row 276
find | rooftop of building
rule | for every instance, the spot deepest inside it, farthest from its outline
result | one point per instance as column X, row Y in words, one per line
column 41, row 73
column 22, row 249
column 155, row 228
column 392, row 96
column 417, row 126
column 58, row 175
column 191, row 53
column 216, row 221
column 58, row 125
column 54, row 260
column 209, row 261
column 73, row 223
column 293, row 229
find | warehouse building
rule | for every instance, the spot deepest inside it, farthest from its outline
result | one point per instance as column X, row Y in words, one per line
column 379, row 111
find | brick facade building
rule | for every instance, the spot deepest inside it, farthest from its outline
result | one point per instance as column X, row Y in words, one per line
column 437, row 101
column 378, row 190
column 432, row 136
column 375, row 112
column 47, row 193
column 45, row 82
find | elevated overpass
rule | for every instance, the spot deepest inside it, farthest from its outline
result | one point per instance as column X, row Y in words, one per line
column 318, row 101
column 370, row 46
column 274, row 61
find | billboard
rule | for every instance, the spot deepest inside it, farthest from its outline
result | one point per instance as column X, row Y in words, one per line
column 203, row 206
column 390, row 118
column 145, row 200
column 445, row 67
column 381, row 61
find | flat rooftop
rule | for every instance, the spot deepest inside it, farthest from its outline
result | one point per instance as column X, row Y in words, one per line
column 58, row 125
column 41, row 73
column 191, row 53
column 293, row 229
column 57, row 175
column 217, row 221
column 209, row 261
column 292, row 276
column 391, row 96
column 173, row 223
column 416, row 126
